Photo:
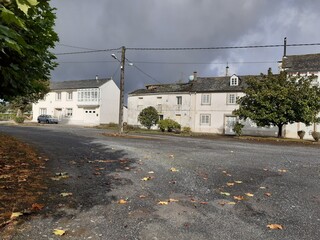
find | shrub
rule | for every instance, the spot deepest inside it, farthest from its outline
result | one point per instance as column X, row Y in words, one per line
column 168, row 125
column 238, row 128
column 301, row 134
column 19, row 119
column 186, row 130
column 148, row 117
column 316, row 136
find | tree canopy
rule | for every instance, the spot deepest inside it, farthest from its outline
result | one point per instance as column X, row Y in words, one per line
column 275, row 99
column 26, row 36
column 148, row 117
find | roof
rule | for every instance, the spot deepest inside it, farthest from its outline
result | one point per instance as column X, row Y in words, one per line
column 301, row 63
column 78, row 84
column 165, row 88
column 201, row 84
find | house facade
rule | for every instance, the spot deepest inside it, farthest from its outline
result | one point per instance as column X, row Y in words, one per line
column 302, row 65
column 81, row 102
column 203, row 104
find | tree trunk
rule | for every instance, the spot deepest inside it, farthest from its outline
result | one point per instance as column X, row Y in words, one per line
column 280, row 130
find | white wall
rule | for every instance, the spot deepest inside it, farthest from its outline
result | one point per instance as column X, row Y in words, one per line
column 166, row 105
column 110, row 98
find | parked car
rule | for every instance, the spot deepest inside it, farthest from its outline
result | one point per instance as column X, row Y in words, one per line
column 47, row 119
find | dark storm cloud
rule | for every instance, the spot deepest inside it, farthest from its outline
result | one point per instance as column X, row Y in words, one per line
column 104, row 24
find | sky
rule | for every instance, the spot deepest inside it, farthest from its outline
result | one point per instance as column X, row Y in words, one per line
column 109, row 24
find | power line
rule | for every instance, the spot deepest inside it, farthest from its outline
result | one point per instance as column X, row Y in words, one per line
column 90, row 51
column 70, row 46
column 193, row 48
column 148, row 75
column 222, row 48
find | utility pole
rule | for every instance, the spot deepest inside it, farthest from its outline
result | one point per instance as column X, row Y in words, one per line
column 123, row 59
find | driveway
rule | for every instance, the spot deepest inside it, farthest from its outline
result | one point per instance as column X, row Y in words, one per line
column 140, row 187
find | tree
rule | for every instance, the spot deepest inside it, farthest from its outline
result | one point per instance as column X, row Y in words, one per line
column 26, row 35
column 148, row 117
column 275, row 100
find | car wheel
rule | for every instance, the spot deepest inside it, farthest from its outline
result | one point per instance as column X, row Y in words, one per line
column 47, row 121
column 39, row 121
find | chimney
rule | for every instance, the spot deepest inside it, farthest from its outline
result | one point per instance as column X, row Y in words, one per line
column 195, row 75
column 227, row 70
column 285, row 47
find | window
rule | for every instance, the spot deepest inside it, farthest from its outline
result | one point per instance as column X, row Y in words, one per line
column 58, row 96
column 234, row 81
column 69, row 112
column 161, row 117
column 43, row 111
column 69, row 96
column 179, row 100
column 205, row 99
column 88, row 95
column 205, row 119
column 231, row 98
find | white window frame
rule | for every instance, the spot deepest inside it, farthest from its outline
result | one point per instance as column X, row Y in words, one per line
column 231, row 99
column 179, row 100
column 89, row 95
column 58, row 96
column 69, row 112
column 234, row 81
column 69, row 96
column 205, row 119
column 43, row 111
column 206, row 99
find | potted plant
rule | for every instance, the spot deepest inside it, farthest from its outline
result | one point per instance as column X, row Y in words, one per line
column 301, row 134
column 316, row 136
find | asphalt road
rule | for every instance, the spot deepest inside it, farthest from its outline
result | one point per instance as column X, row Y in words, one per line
column 284, row 182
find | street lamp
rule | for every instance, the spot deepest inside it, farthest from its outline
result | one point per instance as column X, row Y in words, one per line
column 122, row 62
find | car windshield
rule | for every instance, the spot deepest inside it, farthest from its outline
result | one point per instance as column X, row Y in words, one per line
column 49, row 116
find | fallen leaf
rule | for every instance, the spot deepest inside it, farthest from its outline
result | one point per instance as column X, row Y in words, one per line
column 229, row 175
column 173, row 200
column 239, row 198
column 37, row 206
column 265, row 169
column 275, row 226
column 262, row 187
column 15, row 215
column 282, row 170
column 203, row 203
column 222, row 203
column 174, row 170
column 230, row 184
column 249, row 194
column 146, row 179
column 231, row 203
column 142, row 196
column 171, row 156
column 66, row 194
column 238, row 182
column 267, row 194
column 162, row 203
column 59, row 232
column 225, row 193
column 225, row 172
column 151, row 172
column 122, row 201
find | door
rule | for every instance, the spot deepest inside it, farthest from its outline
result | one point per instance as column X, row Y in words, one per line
column 91, row 116
column 229, row 123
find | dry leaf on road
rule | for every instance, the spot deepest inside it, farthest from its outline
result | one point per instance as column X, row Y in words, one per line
column 122, row 201
column 249, row 194
column 66, row 194
column 163, row 203
column 174, row 169
column 230, row 184
column 239, row 198
column 225, row 193
column 15, row 215
column 238, row 182
column 59, row 232
column 146, row 179
column 275, row 226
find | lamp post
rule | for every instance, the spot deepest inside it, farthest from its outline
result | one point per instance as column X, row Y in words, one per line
column 122, row 62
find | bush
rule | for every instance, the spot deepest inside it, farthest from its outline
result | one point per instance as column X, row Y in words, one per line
column 301, row 134
column 19, row 119
column 131, row 127
column 169, row 125
column 238, row 128
column 316, row 136
column 148, row 117
column 186, row 130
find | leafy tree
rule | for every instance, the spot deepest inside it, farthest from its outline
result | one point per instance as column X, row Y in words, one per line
column 148, row 117
column 277, row 100
column 26, row 35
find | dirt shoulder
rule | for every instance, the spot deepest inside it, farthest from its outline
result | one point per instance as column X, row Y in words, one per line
column 21, row 180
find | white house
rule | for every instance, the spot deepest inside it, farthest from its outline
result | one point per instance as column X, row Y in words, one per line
column 203, row 104
column 303, row 65
column 81, row 102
